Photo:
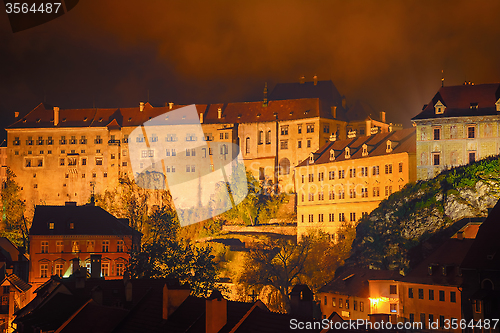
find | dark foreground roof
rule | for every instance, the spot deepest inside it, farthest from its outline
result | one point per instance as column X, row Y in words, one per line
column 87, row 220
column 485, row 251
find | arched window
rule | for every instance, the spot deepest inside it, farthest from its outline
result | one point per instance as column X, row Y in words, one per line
column 284, row 166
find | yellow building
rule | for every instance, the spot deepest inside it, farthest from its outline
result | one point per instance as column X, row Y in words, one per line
column 460, row 125
column 61, row 155
column 347, row 179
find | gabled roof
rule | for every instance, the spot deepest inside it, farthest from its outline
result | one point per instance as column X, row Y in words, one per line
column 458, row 101
column 354, row 281
column 484, row 254
column 17, row 282
column 87, row 220
column 403, row 141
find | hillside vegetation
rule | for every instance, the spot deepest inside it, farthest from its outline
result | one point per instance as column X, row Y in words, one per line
column 424, row 210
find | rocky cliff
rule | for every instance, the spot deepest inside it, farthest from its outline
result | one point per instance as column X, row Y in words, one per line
column 423, row 213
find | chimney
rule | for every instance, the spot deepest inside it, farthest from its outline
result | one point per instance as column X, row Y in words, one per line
column 141, row 106
column 80, row 277
column 170, row 105
column 382, row 116
column 302, row 79
column 301, row 302
column 95, row 266
column 215, row 313
column 264, row 103
column 56, row 115
column 75, row 263
column 219, row 113
column 201, row 118
column 16, row 114
column 334, row 111
column 315, row 80
column 172, row 299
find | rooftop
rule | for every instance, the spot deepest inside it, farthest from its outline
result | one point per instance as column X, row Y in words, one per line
column 463, row 100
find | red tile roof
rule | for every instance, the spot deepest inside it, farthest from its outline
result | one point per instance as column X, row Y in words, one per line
column 458, row 100
column 402, row 141
column 232, row 113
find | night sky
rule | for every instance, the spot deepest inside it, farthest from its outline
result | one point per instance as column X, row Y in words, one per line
column 110, row 53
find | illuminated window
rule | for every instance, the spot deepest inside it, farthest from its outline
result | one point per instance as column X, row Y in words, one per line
column 376, row 170
column 59, row 246
column 44, row 270
column 51, row 225
column 45, row 247
column 59, row 269
column 119, row 246
column 333, row 302
column 75, row 246
column 361, row 306
column 394, row 308
column 340, row 302
column 310, row 128
column 104, row 269
column 120, row 269
column 98, row 161
column 105, row 246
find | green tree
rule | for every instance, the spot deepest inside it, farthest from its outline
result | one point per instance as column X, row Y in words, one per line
column 164, row 254
column 14, row 225
column 282, row 263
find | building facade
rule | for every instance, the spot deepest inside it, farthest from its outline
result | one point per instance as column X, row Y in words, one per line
column 61, row 234
column 61, row 155
column 460, row 125
column 347, row 179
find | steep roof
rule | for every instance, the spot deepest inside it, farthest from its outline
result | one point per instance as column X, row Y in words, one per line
column 354, row 281
column 17, row 282
column 231, row 113
column 459, row 99
column 445, row 262
column 402, row 141
column 87, row 220
column 484, row 254
column 8, row 250
column 361, row 111
column 325, row 91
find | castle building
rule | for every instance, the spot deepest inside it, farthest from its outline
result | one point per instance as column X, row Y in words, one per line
column 61, row 155
column 61, row 235
column 460, row 125
column 347, row 179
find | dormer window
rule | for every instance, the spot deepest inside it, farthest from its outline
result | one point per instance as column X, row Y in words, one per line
column 332, row 155
column 311, row 158
column 388, row 148
column 439, row 107
column 365, row 150
column 347, row 152
column 473, row 106
column 498, row 105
